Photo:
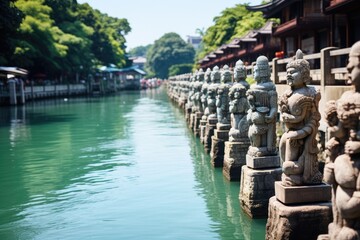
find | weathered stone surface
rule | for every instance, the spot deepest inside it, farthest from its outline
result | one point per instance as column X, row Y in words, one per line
column 261, row 116
column 256, row 187
column 209, row 132
column 217, row 151
column 196, row 129
column 262, row 162
column 221, row 134
column 297, row 222
column 343, row 150
column 192, row 121
column 302, row 194
column 234, row 159
column 300, row 114
column 202, row 130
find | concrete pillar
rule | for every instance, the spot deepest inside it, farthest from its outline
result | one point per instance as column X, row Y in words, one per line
column 12, row 91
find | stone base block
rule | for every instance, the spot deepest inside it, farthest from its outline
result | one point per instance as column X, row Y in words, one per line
column 222, row 126
column 209, row 132
column 202, row 130
column 197, row 120
column 256, row 187
column 302, row 194
column 192, row 121
column 217, row 152
column 234, row 159
column 221, row 134
column 212, row 121
column 298, row 222
column 262, row 162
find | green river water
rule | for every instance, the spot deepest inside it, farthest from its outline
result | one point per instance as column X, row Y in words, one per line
column 119, row 167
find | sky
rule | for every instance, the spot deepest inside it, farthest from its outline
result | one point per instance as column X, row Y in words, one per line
column 151, row 19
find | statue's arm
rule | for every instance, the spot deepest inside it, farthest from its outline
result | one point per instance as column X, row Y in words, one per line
column 273, row 107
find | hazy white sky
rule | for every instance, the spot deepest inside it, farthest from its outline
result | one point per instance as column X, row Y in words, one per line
column 151, row 19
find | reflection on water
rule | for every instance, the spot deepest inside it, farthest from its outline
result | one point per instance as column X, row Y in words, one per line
column 121, row 167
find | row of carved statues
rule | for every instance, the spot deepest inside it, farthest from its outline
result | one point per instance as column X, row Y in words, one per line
column 252, row 111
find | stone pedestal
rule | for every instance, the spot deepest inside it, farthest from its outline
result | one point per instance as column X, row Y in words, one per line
column 262, row 162
column 235, row 158
column 221, row 135
column 256, row 187
column 297, row 222
column 192, row 121
column 209, row 132
column 197, row 120
column 302, row 194
column 202, row 130
column 187, row 114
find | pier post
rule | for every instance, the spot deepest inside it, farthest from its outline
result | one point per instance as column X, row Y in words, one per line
column 12, row 91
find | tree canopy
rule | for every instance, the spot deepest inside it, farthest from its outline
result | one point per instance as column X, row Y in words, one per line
column 60, row 37
column 233, row 22
column 139, row 51
column 168, row 50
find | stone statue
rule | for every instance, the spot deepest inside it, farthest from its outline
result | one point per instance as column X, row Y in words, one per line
column 343, row 163
column 238, row 105
column 222, row 101
column 197, row 91
column 207, row 81
column 212, row 91
column 300, row 114
column 262, row 99
column 240, row 74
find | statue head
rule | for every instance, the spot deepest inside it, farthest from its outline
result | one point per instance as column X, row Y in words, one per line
column 262, row 69
column 208, row 75
column 225, row 74
column 194, row 76
column 215, row 75
column 298, row 71
column 353, row 66
column 239, row 71
column 200, row 75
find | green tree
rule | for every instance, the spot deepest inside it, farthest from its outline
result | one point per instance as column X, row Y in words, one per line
column 38, row 44
column 76, row 37
column 10, row 19
column 108, row 40
column 139, row 51
column 233, row 22
column 180, row 69
column 168, row 50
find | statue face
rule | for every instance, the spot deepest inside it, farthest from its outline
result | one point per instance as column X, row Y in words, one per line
column 354, row 70
column 294, row 78
column 256, row 74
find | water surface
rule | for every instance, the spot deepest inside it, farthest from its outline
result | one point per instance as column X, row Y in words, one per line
column 120, row 167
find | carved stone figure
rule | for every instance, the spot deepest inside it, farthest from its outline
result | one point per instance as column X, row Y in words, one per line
column 198, row 107
column 222, row 98
column 238, row 105
column 212, row 91
column 262, row 98
column 343, row 167
column 204, row 88
column 300, row 114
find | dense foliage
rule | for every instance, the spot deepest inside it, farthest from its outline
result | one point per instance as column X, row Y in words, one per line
column 10, row 19
column 233, row 22
column 139, row 51
column 168, row 50
column 60, row 38
column 178, row 69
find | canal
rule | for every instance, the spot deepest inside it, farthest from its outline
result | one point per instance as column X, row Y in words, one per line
column 119, row 167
